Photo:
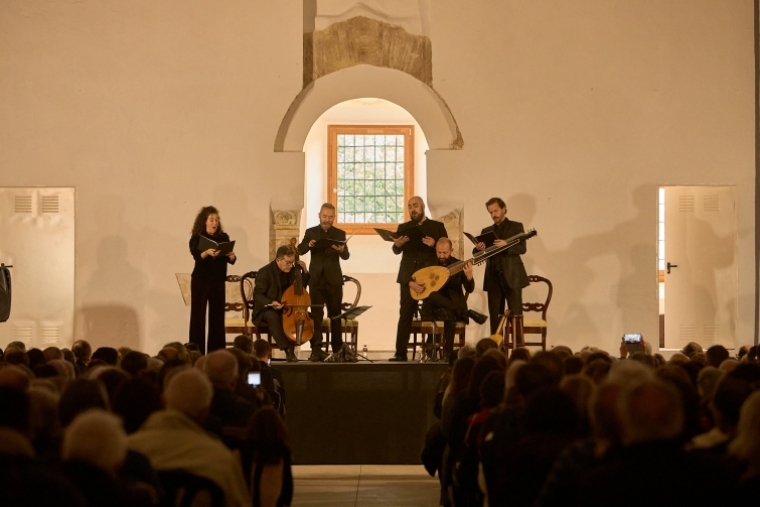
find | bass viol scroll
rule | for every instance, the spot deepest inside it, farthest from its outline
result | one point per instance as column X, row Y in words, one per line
column 432, row 278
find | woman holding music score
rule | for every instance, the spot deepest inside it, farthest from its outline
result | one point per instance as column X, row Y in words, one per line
column 207, row 283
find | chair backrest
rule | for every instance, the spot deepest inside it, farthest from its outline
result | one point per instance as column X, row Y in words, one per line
column 348, row 306
column 184, row 489
column 247, row 282
column 233, row 300
column 540, row 306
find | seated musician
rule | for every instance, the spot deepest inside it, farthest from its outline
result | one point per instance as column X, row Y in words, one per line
column 271, row 282
column 449, row 304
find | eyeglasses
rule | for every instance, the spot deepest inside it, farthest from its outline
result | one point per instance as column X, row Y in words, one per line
column 287, row 263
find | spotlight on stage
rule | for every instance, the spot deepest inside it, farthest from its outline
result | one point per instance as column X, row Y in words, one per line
column 5, row 292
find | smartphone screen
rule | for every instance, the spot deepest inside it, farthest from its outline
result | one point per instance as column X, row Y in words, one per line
column 632, row 338
column 254, row 378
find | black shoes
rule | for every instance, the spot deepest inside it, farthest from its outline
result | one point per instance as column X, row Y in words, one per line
column 317, row 355
column 399, row 359
column 291, row 355
column 477, row 317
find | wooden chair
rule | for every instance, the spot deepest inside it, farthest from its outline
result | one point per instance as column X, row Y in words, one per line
column 237, row 314
column 424, row 329
column 349, row 327
column 247, row 282
column 522, row 325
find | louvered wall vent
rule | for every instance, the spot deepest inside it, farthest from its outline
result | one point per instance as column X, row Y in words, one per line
column 49, row 335
column 22, row 203
column 49, row 204
column 712, row 203
column 686, row 204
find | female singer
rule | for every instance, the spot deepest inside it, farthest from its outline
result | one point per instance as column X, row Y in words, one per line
column 207, row 285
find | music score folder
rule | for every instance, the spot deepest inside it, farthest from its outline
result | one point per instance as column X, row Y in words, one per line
column 224, row 247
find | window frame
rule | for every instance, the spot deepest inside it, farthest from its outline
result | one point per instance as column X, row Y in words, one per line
column 332, row 170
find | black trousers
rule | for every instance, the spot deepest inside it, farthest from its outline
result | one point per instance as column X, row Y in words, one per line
column 273, row 320
column 332, row 297
column 439, row 307
column 499, row 293
column 408, row 307
column 203, row 294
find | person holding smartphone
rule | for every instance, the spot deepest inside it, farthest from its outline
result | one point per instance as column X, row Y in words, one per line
column 207, row 281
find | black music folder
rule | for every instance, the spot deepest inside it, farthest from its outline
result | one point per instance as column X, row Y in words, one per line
column 414, row 233
column 325, row 243
column 224, row 247
column 487, row 238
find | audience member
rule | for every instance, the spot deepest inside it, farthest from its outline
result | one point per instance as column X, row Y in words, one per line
column 108, row 355
column 222, row 370
column 716, row 355
column 82, row 352
column 244, row 343
column 174, row 439
column 36, row 358
column 271, row 476
column 134, row 362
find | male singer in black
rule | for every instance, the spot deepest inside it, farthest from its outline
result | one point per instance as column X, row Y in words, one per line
column 417, row 254
column 326, row 284
column 505, row 275
column 449, row 303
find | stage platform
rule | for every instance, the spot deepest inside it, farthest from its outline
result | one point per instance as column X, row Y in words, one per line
column 359, row 413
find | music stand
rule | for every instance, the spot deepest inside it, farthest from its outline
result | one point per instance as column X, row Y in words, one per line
column 350, row 314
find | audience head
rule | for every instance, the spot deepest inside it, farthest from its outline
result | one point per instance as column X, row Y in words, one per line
column 483, row 345
column 96, row 437
column 650, row 411
column 563, row 351
column 466, row 351
column 111, row 377
column 14, row 355
column 268, row 436
column 691, row 348
column 222, row 369
column 15, row 409
column 492, row 389
column 644, row 358
column 134, row 401
column 36, row 358
column 580, row 389
column 182, row 352
column 167, row 354
column 728, row 365
column 19, row 345
column 189, row 391
column 244, row 363
column 678, row 358
column 552, row 362
column 520, row 354
column 108, row 355
column 707, row 380
column 460, row 377
column 262, row 350
column 51, row 353
column 82, row 351
column 134, row 362
column 14, row 376
column 730, row 394
column 81, row 395
column 572, row 365
column 531, row 378
column 716, row 355
column 746, row 445
column 550, row 410
column 482, row 368
column 604, row 415
column 244, row 343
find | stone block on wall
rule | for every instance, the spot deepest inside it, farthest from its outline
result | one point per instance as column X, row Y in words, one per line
column 285, row 225
column 454, row 223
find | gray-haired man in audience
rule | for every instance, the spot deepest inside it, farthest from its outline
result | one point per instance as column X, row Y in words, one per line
column 173, row 439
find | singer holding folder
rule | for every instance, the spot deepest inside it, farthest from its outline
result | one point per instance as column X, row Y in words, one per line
column 327, row 245
column 207, row 284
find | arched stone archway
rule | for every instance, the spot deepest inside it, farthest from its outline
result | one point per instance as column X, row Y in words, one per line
column 422, row 101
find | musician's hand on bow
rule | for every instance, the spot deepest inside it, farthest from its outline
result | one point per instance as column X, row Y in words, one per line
column 311, row 243
column 276, row 305
column 499, row 243
column 339, row 248
column 481, row 246
column 303, row 265
column 419, row 288
column 468, row 270
column 429, row 241
column 400, row 241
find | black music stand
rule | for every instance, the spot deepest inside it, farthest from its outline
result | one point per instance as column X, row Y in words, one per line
column 353, row 313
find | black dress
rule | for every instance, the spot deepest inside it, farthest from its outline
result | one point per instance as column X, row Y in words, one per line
column 207, row 287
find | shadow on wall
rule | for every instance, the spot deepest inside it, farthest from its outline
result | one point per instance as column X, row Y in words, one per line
column 108, row 315
column 577, row 314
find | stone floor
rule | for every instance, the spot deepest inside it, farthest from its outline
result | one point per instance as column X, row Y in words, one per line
column 364, row 485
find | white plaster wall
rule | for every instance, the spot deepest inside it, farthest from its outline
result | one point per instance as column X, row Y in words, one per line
column 574, row 112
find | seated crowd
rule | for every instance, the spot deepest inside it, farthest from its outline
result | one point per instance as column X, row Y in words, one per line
column 557, row 428
column 121, row 428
